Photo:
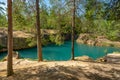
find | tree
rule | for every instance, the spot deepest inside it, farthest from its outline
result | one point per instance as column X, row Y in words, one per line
column 1, row 8
column 10, row 39
column 57, row 20
column 112, row 10
column 39, row 47
column 3, row 20
column 73, row 26
column 20, row 20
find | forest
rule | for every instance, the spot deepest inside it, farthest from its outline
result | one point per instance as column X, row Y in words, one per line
column 99, row 17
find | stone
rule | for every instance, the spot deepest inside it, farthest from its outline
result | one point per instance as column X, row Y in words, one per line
column 24, row 39
column 83, row 38
column 20, row 39
column 83, row 58
column 113, row 57
column 91, row 42
column 92, row 39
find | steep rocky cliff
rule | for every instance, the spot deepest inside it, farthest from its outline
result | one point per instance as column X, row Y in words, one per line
column 23, row 39
column 20, row 39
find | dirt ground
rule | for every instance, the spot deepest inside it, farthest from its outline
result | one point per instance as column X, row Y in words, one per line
column 61, row 70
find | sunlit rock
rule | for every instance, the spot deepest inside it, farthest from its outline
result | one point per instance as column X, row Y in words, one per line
column 93, row 40
column 113, row 57
column 83, row 58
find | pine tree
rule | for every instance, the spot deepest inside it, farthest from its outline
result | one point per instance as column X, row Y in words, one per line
column 10, row 40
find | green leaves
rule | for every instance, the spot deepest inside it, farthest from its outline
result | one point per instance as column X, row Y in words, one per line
column 1, row 8
column 3, row 19
column 57, row 39
column 92, row 16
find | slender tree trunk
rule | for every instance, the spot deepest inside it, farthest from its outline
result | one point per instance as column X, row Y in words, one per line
column 39, row 46
column 73, row 26
column 10, row 40
column 59, row 26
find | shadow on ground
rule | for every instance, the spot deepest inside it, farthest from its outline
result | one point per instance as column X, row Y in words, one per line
column 62, row 73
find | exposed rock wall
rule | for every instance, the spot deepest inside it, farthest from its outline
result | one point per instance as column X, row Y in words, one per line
column 19, row 39
column 94, row 40
column 23, row 39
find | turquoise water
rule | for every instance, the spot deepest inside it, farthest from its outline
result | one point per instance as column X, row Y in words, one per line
column 54, row 52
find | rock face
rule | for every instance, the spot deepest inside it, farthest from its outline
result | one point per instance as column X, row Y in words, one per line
column 20, row 39
column 23, row 39
column 113, row 58
column 94, row 40
column 86, row 39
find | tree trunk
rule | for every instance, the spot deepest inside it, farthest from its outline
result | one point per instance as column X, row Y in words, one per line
column 10, row 40
column 73, row 26
column 39, row 46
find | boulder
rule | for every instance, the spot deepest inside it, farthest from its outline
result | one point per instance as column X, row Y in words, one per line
column 113, row 57
column 83, row 58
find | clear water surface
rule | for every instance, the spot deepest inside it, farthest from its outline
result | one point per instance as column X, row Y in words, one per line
column 63, row 52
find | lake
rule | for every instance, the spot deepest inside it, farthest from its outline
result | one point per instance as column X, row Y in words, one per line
column 63, row 52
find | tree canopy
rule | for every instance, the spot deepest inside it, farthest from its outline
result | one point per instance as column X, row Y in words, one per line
column 92, row 16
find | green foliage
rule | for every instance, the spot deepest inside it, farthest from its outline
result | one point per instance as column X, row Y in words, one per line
column 3, row 21
column 45, row 41
column 114, row 35
column 99, row 22
column 1, row 8
column 112, row 10
column 1, row 47
column 31, row 42
column 57, row 39
column 100, row 19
